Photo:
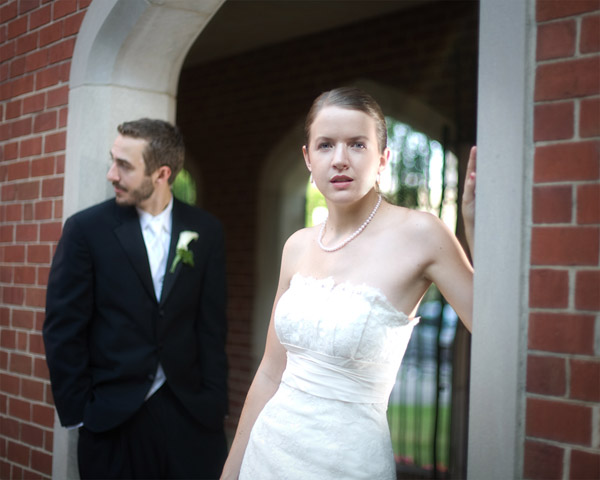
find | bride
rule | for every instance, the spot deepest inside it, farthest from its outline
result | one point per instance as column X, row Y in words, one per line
column 344, row 309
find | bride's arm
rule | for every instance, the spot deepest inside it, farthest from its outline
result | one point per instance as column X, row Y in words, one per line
column 267, row 378
column 265, row 384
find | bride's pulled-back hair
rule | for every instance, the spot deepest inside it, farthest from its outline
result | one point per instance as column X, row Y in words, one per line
column 351, row 98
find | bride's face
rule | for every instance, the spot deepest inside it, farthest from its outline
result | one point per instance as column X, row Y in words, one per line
column 342, row 153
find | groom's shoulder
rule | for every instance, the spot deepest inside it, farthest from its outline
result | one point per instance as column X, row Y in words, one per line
column 95, row 214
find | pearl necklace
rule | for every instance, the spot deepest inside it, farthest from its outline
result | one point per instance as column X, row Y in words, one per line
column 351, row 237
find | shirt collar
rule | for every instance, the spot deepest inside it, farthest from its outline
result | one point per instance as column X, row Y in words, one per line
column 163, row 218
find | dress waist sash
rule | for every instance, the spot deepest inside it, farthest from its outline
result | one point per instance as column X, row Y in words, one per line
column 338, row 378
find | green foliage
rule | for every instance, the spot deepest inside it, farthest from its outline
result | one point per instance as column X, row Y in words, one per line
column 314, row 199
column 184, row 187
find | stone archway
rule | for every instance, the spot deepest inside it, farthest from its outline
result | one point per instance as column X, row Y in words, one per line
column 125, row 65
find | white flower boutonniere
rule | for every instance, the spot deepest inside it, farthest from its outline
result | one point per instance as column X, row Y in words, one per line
column 182, row 254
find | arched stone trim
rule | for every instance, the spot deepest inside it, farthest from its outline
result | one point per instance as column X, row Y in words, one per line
column 125, row 65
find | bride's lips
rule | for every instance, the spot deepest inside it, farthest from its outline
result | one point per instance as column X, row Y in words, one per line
column 341, row 181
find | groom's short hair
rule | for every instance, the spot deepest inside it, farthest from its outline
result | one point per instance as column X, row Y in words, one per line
column 165, row 143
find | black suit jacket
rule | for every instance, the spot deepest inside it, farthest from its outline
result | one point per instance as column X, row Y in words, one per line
column 105, row 333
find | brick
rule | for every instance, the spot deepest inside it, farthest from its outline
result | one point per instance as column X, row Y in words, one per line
column 34, row 103
column 43, row 166
column 10, row 384
column 27, row 233
column 590, row 34
column 27, row 191
column 32, row 389
column 63, row 8
column 589, row 117
column 567, row 161
column 36, row 60
column 9, row 11
column 43, row 273
column 61, row 51
column 40, row 369
column 565, row 245
column 38, row 254
column 31, row 147
column 18, row 171
column 13, row 109
column 48, row 77
column 9, row 192
column 32, row 435
column 559, row 421
column 55, row 142
column 8, row 339
column 20, row 363
column 40, row 461
column 556, row 40
column 584, row 465
column 567, row 79
column 552, row 9
column 27, row 5
column 50, row 232
column 52, row 187
column 548, row 288
column 13, row 213
column 11, row 152
column 13, row 295
column 553, row 121
column 10, row 427
column 43, row 210
column 26, row 43
column 35, row 297
column 62, row 117
column 7, row 233
column 16, row 27
column 36, row 344
column 58, row 97
column 587, row 290
column 588, row 204
column 21, row 128
column 18, row 453
column 40, row 17
column 13, row 254
column 585, row 380
column 22, row 319
column 43, row 415
column 23, row 275
column 17, row 67
column 50, row 34
column 45, row 121
column 546, row 375
column 542, row 461
column 73, row 24
column 561, row 333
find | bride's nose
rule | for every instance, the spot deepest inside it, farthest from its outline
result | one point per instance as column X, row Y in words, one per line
column 340, row 157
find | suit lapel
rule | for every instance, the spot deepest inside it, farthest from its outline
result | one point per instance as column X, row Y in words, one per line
column 129, row 234
column 176, row 228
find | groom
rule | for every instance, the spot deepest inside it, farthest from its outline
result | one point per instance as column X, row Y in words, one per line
column 135, row 321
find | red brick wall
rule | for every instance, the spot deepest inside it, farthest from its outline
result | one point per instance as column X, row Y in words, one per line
column 37, row 38
column 563, row 367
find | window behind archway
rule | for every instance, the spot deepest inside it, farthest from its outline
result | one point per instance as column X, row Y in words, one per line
column 421, row 175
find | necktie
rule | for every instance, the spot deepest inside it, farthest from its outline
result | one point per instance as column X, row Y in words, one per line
column 157, row 256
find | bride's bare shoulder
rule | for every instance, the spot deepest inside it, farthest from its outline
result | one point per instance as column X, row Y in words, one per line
column 413, row 223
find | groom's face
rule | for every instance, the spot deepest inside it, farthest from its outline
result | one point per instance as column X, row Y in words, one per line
column 127, row 172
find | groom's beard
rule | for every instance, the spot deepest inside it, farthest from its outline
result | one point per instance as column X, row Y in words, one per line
column 137, row 195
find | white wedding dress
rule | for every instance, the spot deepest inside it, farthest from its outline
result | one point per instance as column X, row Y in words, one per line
column 328, row 419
